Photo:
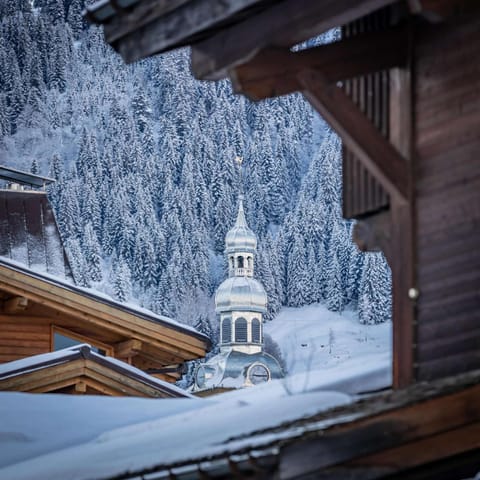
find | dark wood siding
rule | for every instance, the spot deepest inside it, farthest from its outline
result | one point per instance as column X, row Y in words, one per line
column 29, row 233
column 362, row 194
column 447, row 113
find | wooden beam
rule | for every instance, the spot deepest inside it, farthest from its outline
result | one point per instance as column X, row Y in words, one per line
column 80, row 388
column 385, row 431
column 401, row 255
column 273, row 71
column 421, row 452
column 128, row 349
column 374, row 233
column 152, row 29
column 358, row 133
column 15, row 305
column 282, row 25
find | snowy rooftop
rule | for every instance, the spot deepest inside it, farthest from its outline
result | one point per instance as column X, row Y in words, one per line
column 100, row 297
column 45, row 360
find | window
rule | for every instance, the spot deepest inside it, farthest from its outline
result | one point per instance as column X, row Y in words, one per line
column 240, row 262
column 63, row 338
column 256, row 337
column 226, row 330
column 241, row 330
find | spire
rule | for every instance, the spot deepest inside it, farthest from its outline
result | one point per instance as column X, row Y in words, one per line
column 241, row 220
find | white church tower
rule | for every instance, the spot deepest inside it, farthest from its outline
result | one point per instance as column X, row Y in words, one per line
column 240, row 303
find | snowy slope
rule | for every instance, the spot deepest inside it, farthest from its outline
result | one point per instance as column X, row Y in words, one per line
column 327, row 349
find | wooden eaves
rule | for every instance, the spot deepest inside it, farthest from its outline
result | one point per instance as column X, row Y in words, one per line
column 80, row 370
column 145, row 340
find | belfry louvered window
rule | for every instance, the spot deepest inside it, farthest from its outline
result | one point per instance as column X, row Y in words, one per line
column 256, row 338
column 241, row 330
column 226, row 330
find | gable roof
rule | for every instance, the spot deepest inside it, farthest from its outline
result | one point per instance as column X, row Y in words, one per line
column 81, row 370
column 150, row 337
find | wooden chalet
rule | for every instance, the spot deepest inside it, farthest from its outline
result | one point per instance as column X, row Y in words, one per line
column 42, row 310
column 402, row 89
column 81, row 370
column 40, row 314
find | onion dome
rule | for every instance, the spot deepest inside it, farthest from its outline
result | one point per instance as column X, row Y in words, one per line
column 240, row 238
column 241, row 294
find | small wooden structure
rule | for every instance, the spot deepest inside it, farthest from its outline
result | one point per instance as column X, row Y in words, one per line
column 36, row 310
column 80, row 370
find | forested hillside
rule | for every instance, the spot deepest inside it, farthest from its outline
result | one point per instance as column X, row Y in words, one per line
column 146, row 184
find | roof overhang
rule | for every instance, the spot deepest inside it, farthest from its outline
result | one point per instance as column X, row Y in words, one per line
column 159, row 340
column 80, row 370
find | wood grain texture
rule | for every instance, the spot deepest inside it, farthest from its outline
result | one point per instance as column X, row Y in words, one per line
column 447, row 89
column 282, row 25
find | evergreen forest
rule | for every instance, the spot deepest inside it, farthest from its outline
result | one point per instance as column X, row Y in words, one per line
column 146, row 186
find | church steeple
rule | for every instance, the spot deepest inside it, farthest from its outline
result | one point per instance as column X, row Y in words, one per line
column 241, row 303
column 240, row 241
column 240, row 246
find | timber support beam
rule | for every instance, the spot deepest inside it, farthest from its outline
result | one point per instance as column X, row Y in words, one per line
column 15, row 305
column 358, row 133
column 273, row 71
column 283, row 24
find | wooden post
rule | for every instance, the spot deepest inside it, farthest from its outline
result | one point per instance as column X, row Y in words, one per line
column 402, row 260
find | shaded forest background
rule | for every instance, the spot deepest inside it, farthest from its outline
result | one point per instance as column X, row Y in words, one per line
column 146, row 184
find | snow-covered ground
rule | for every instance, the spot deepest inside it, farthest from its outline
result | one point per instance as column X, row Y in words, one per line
column 330, row 357
column 328, row 349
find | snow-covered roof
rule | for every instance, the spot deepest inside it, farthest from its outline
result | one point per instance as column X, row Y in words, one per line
column 152, row 439
column 102, row 298
column 183, row 431
column 179, row 431
column 85, row 351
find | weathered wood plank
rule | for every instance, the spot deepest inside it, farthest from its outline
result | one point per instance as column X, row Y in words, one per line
column 414, row 454
column 43, row 377
column 443, row 347
column 176, row 28
column 144, row 13
column 21, row 350
column 440, row 10
column 359, row 134
column 282, row 25
column 273, row 71
column 364, row 437
column 451, row 365
column 116, row 379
